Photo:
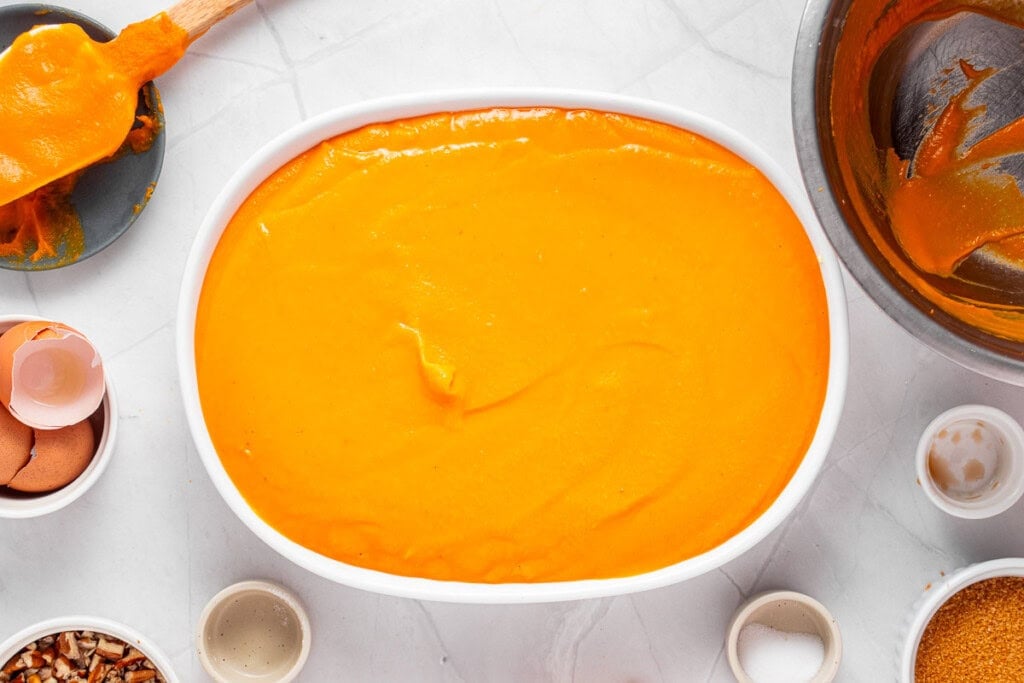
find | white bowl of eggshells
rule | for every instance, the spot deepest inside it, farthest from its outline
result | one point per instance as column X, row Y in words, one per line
column 41, row 480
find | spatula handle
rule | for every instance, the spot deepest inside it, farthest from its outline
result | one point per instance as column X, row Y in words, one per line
column 197, row 16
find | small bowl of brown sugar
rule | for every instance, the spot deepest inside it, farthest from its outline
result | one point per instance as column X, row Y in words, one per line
column 969, row 628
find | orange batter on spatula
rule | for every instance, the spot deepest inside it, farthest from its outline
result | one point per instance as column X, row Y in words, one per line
column 67, row 101
column 513, row 345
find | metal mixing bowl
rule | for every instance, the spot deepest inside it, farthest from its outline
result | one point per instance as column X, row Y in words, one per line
column 821, row 31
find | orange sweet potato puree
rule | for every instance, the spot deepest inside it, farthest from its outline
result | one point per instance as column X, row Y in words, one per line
column 513, row 346
column 43, row 224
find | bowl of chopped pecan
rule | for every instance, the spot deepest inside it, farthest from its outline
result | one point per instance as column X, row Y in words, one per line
column 81, row 649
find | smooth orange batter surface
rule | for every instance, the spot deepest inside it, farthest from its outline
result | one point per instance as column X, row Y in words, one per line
column 952, row 197
column 513, row 345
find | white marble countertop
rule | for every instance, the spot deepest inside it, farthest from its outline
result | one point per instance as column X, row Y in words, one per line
column 153, row 540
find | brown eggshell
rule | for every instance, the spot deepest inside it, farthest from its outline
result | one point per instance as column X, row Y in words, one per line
column 11, row 341
column 15, row 446
column 60, row 456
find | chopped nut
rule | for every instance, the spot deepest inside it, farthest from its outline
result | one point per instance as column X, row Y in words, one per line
column 79, row 657
column 32, row 660
column 112, row 651
column 139, row 675
column 131, row 659
column 62, row 667
column 97, row 671
column 13, row 666
column 87, row 645
column 68, row 646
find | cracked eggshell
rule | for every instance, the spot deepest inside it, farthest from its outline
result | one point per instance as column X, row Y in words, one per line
column 60, row 456
column 50, row 375
column 15, row 446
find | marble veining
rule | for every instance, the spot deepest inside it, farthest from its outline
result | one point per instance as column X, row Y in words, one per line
column 153, row 540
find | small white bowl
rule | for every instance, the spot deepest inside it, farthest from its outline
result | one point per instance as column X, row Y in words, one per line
column 15, row 643
column 790, row 612
column 937, row 595
column 17, row 505
column 253, row 632
column 970, row 461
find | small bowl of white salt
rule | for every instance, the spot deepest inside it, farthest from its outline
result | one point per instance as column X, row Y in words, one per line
column 784, row 637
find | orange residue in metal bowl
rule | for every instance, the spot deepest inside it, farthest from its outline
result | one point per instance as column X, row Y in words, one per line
column 950, row 199
column 955, row 199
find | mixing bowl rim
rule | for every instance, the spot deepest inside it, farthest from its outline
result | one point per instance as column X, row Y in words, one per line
column 308, row 133
column 912, row 319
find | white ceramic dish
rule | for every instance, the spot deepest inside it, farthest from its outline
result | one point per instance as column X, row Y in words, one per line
column 22, row 505
column 253, row 632
column 937, row 595
column 330, row 124
column 16, row 642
